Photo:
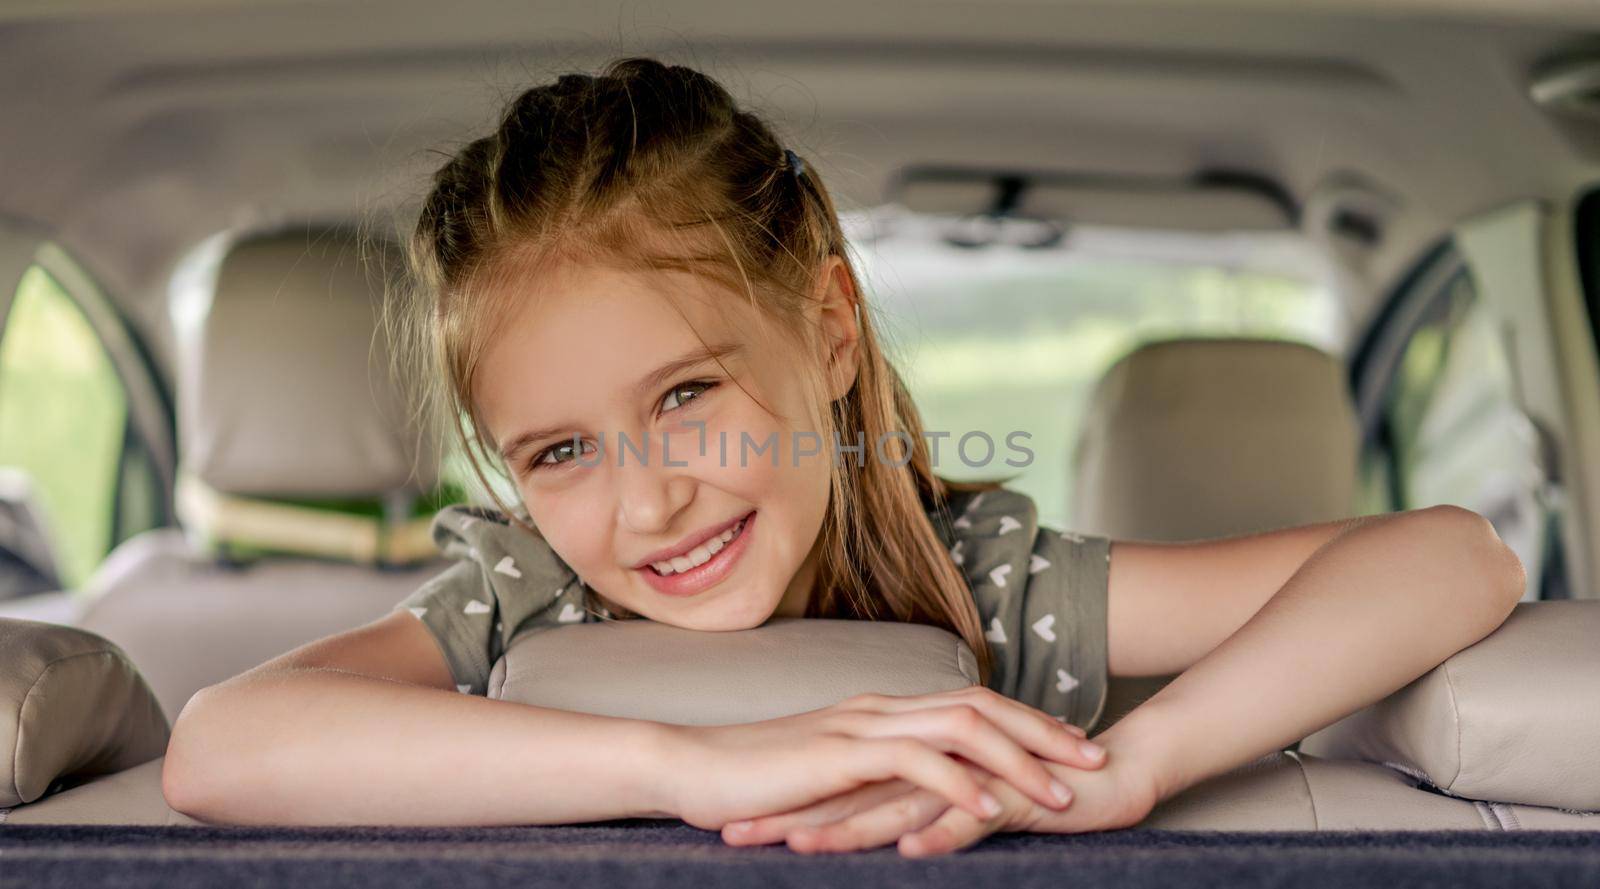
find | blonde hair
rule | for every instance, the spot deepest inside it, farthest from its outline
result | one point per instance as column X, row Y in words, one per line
column 602, row 169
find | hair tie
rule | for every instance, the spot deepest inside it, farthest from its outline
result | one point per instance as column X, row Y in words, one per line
column 795, row 163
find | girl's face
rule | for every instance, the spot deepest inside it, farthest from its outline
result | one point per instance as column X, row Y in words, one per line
column 671, row 505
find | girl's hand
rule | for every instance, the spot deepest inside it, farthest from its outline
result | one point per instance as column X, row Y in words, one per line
column 724, row 773
column 1119, row 795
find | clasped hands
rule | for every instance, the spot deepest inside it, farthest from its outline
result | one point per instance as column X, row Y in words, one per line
column 1037, row 774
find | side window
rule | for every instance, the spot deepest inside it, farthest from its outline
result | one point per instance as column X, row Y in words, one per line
column 63, row 422
column 1452, row 427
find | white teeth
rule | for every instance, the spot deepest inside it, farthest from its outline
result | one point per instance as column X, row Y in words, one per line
column 699, row 555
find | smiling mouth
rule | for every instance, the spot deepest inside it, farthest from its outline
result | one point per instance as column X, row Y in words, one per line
column 701, row 554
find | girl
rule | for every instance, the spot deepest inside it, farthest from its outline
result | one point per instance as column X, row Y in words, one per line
column 637, row 305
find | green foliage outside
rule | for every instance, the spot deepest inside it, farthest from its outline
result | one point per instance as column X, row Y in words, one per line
column 62, row 415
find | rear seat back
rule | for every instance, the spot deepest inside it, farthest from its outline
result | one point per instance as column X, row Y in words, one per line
column 1196, row 438
column 284, row 391
column 1190, row 439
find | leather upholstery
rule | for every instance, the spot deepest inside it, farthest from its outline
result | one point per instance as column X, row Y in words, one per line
column 294, row 315
column 132, row 796
column 1196, row 438
column 283, row 391
column 644, row 669
column 1514, row 718
column 71, row 703
column 647, row 670
column 189, row 622
column 1279, row 792
column 1297, row 791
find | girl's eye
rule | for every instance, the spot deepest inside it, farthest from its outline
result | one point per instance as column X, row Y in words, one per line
column 557, row 454
column 696, row 387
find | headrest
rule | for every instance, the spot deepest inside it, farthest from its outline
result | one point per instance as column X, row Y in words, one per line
column 1511, row 719
column 1194, row 438
column 71, row 704
column 643, row 669
column 284, row 383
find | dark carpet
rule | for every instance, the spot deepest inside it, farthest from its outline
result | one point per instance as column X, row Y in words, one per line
column 661, row 854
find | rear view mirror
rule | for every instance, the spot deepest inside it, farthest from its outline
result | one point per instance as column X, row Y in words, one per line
column 1033, row 209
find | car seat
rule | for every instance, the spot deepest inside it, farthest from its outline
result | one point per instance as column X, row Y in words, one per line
column 302, row 493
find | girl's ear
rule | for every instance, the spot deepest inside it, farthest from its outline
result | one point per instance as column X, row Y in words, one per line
column 841, row 332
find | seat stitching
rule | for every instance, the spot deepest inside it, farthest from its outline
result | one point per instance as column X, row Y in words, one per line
column 1316, row 821
column 960, row 666
column 1487, row 816
column 1507, row 816
column 1412, row 772
column 1455, row 712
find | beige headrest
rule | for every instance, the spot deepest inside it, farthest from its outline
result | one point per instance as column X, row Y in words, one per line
column 285, row 388
column 71, row 704
column 1194, row 438
column 1512, row 719
column 642, row 669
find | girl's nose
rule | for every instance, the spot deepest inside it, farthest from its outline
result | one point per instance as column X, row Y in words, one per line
column 650, row 496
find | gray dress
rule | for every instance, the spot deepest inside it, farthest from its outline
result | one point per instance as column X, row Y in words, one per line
column 1040, row 592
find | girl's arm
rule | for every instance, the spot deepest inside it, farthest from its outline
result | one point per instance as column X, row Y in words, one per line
column 366, row 727
column 1275, row 635
column 1352, row 611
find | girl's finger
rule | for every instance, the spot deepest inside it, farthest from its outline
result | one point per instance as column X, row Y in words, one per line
column 964, row 730
column 878, row 826
column 953, row 830
column 1035, row 730
column 775, row 828
column 924, row 766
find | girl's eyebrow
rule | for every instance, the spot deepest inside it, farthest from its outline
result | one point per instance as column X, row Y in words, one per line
column 652, row 380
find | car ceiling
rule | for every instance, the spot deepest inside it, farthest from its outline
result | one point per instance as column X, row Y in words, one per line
column 135, row 130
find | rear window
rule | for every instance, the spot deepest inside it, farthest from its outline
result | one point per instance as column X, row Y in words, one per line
column 1004, row 338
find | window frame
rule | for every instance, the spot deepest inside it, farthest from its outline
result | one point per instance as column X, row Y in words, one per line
column 1376, row 362
column 149, row 430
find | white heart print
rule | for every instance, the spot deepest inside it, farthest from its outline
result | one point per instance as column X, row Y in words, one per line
column 1065, row 681
column 1037, row 563
column 569, row 614
column 508, row 568
column 998, row 575
column 476, row 606
column 1007, row 523
column 1043, row 626
column 995, row 633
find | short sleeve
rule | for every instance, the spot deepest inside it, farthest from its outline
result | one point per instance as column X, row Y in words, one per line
column 504, row 580
column 1070, row 580
column 1042, row 598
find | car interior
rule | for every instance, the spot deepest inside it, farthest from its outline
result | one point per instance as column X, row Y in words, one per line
column 1234, row 265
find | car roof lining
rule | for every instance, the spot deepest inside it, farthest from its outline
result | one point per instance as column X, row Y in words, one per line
column 142, row 140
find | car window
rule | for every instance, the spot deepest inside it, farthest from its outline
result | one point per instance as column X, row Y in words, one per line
column 1009, row 338
column 63, row 413
column 1452, row 426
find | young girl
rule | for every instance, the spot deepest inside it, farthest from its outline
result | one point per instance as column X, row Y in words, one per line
column 638, row 305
